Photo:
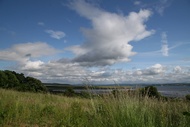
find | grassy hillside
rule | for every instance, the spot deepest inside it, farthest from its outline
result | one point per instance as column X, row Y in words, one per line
column 35, row 109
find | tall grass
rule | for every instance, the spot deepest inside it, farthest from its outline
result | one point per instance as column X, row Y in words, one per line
column 29, row 109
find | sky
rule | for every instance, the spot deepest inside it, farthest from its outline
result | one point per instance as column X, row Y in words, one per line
column 97, row 41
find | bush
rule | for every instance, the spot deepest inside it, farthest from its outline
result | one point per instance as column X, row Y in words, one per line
column 115, row 93
column 150, row 91
column 69, row 92
column 187, row 97
column 85, row 94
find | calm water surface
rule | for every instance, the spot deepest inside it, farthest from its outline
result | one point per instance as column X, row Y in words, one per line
column 174, row 91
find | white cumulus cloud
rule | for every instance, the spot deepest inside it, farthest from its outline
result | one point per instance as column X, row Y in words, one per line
column 24, row 51
column 32, row 65
column 107, row 42
column 177, row 69
column 56, row 71
column 156, row 69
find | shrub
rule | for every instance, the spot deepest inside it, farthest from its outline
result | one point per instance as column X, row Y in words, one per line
column 115, row 92
column 187, row 97
column 69, row 92
column 150, row 91
column 85, row 94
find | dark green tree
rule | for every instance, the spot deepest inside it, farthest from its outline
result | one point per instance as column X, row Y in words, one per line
column 34, row 85
column 21, row 77
column 3, row 79
column 12, row 80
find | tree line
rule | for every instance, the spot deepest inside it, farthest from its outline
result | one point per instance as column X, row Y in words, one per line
column 12, row 80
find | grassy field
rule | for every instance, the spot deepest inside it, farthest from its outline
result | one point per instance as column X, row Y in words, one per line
column 21, row 109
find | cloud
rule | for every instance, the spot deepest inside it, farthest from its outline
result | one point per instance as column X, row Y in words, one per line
column 177, row 69
column 56, row 71
column 164, row 51
column 163, row 4
column 161, row 74
column 137, row 2
column 64, row 70
column 154, row 70
column 164, row 47
column 56, row 34
column 27, row 55
column 158, row 6
column 107, row 42
column 32, row 65
column 41, row 23
column 164, row 41
column 24, row 51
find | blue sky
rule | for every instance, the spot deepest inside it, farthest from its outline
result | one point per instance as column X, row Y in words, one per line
column 102, row 41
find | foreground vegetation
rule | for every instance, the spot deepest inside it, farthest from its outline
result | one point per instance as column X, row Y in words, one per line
column 141, row 108
column 111, row 110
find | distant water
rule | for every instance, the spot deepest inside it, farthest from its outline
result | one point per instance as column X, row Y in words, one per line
column 174, row 91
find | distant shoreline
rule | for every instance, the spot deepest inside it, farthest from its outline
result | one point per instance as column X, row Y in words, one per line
column 168, row 90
